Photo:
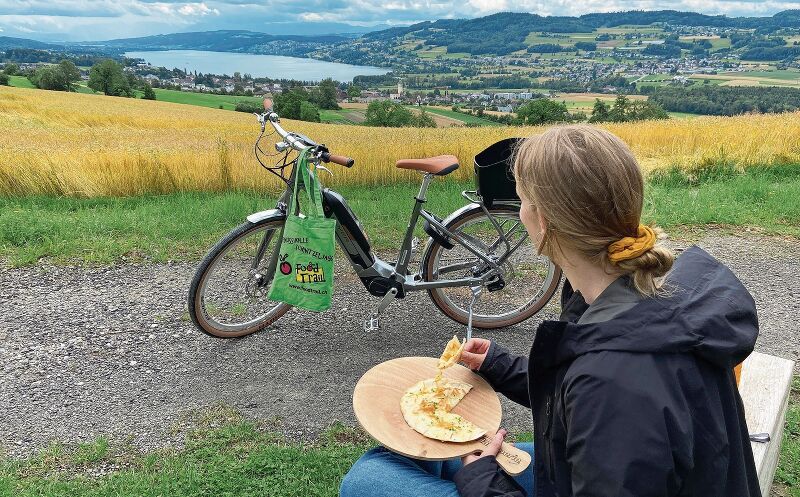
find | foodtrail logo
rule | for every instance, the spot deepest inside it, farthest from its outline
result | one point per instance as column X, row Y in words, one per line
column 309, row 273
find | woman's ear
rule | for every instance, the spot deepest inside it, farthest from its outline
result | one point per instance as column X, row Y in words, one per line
column 542, row 221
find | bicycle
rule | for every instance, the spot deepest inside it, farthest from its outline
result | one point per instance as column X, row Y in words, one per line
column 480, row 250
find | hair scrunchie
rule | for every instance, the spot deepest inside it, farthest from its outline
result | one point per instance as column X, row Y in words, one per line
column 630, row 247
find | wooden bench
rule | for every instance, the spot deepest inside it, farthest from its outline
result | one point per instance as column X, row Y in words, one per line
column 765, row 384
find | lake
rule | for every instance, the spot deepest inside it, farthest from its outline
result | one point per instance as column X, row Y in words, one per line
column 270, row 66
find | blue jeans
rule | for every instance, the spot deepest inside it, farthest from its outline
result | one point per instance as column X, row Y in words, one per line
column 382, row 473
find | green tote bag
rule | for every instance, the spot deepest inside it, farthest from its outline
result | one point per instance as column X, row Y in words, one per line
column 304, row 272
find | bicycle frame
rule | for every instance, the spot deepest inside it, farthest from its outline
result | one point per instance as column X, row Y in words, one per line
column 379, row 276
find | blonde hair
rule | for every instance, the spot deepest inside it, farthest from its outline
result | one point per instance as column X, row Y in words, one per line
column 588, row 187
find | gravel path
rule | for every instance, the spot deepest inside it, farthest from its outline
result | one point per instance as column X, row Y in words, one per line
column 110, row 351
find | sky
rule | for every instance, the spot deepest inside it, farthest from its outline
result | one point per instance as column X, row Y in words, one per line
column 86, row 20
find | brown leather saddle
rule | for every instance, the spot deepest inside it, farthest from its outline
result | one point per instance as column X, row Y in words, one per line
column 440, row 165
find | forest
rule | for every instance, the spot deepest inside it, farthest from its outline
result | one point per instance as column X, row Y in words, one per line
column 727, row 100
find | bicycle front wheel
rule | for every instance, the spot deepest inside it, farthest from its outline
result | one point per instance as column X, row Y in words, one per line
column 228, row 295
column 528, row 281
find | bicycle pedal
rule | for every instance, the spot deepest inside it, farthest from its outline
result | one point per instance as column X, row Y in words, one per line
column 372, row 324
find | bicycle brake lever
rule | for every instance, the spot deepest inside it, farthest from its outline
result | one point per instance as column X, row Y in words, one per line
column 325, row 169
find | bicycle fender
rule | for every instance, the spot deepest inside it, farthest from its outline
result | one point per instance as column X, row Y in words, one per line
column 261, row 216
column 470, row 207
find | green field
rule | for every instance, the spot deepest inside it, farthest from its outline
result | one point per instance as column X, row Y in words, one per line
column 776, row 74
column 342, row 116
column 465, row 118
column 181, row 97
column 20, row 82
column 202, row 99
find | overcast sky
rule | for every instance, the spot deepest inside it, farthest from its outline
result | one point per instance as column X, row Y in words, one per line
column 79, row 20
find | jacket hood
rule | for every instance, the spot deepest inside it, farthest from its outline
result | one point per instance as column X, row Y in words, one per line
column 708, row 312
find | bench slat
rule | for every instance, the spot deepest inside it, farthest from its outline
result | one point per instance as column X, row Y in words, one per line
column 765, row 385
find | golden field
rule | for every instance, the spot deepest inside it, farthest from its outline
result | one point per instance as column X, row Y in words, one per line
column 87, row 145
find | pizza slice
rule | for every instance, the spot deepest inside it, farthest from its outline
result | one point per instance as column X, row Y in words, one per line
column 452, row 353
column 426, row 408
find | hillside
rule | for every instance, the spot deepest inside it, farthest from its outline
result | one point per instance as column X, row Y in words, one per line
column 7, row 42
column 506, row 32
column 220, row 41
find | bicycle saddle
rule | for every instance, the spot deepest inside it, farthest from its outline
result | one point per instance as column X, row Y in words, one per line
column 440, row 165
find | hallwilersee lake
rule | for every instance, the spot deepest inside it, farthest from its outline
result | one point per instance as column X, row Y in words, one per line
column 270, row 66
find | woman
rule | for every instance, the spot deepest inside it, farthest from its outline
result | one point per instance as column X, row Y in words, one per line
column 632, row 391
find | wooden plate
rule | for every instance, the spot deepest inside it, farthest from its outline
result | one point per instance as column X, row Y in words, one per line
column 376, row 402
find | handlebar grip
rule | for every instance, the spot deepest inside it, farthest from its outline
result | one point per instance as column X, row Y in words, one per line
column 341, row 160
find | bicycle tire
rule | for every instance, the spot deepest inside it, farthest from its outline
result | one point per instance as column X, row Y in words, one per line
column 460, row 315
column 197, row 310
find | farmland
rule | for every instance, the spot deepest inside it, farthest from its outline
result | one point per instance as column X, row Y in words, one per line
column 91, row 145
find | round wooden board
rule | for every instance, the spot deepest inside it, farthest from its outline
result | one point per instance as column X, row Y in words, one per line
column 376, row 402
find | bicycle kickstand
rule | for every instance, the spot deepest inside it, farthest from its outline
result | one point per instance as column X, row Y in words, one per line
column 372, row 324
column 476, row 292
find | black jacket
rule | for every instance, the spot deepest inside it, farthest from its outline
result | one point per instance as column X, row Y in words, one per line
column 644, row 404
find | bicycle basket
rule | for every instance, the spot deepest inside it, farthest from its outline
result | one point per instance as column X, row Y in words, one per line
column 493, row 172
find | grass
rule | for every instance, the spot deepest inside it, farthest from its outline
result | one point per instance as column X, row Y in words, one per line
column 226, row 455
column 20, row 82
column 182, row 226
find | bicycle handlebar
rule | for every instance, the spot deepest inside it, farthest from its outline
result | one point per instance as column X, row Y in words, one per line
column 294, row 141
column 338, row 159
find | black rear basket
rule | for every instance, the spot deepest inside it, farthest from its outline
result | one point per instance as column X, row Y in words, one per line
column 493, row 172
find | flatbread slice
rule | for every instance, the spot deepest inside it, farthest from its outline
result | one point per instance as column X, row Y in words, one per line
column 426, row 408
column 452, row 353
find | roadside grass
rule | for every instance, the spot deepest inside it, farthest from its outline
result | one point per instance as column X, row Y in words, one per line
column 231, row 456
column 183, row 226
column 226, row 454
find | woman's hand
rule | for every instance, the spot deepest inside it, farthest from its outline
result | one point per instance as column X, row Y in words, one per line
column 491, row 450
column 474, row 352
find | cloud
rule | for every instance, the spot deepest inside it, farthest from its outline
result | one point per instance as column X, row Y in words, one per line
column 196, row 9
column 104, row 19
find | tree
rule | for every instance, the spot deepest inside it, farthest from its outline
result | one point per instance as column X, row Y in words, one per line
column 3, row 79
column 287, row 102
column 599, row 112
column 68, row 75
column 388, row 113
column 10, row 68
column 619, row 111
column 149, row 94
column 60, row 77
column 108, row 77
column 642, row 110
column 423, row 120
column 324, row 95
column 309, row 112
column 354, row 91
column 542, row 111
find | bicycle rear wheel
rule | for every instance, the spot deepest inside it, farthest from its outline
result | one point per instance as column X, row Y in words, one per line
column 228, row 295
column 528, row 280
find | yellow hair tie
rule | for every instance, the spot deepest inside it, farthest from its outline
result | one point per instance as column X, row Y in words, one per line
column 630, row 247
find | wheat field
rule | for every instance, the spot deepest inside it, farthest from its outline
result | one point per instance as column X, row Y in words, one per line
column 55, row 143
